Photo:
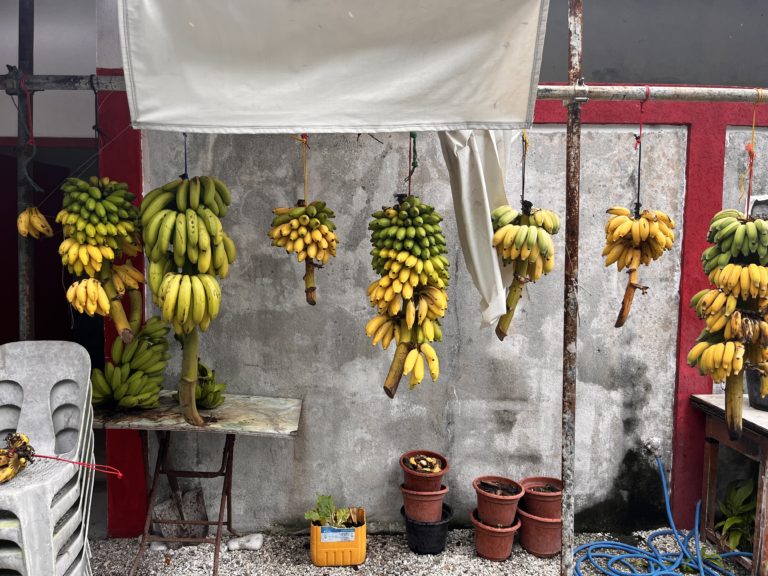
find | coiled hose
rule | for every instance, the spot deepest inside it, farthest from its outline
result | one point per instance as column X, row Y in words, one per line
column 619, row 559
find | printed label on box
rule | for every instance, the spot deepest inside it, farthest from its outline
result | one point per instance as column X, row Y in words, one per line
column 331, row 534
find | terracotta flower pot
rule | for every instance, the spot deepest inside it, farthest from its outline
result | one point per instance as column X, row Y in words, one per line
column 541, row 537
column 424, row 506
column 541, row 503
column 493, row 543
column 422, row 481
column 497, row 509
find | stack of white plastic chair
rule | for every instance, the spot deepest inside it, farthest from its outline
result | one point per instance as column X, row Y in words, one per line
column 45, row 393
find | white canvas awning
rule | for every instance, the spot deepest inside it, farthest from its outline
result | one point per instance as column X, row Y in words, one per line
column 261, row 66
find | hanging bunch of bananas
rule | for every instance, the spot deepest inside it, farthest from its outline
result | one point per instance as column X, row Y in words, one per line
column 523, row 240
column 88, row 296
column 134, row 377
column 126, row 277
column 308, row 232
column 182, row 230
column 410, row 297
column 98, row 218
column 209, row 393
column 634, row 240
column 31, row 222
column 736, row 309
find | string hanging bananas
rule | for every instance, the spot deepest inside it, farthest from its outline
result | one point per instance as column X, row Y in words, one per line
column 631, row 241
column 31, row 222
column 209, row 394
column 99, row 220
column 523, row 240
column 134, row 377
column 410, row 297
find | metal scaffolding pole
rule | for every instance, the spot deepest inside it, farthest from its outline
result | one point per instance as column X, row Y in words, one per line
column 24, row 191
column 679, row 93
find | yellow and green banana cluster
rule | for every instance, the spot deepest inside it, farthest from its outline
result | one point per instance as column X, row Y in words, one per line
column 307, row 231
column 189, row 301
column 134, row 377
column 180, row 225
column 31, row 222
column 631, row 241
column 736, row 309
column 98, row 218
column 209, row 393
column 410, row 297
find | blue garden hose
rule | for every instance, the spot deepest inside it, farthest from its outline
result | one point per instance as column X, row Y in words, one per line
column 619, row 559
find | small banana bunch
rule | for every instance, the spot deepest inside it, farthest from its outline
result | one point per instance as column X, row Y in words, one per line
column 98, row 218
column 89, row 296
column 209, row 394
column 719, row 359
column 189, row 301
column 307, row 231
column 410, row 297
column 524, row 240
column 135, row 376
column 126, row 276
column 181, row 223
column 16, row 455
column 735, row 236
column 31, row 222
column 631, row 241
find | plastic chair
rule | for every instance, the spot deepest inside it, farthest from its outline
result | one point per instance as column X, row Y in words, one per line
column 45, row 393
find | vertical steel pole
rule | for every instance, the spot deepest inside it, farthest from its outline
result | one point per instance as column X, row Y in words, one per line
column 571, row 291
column 24, row 192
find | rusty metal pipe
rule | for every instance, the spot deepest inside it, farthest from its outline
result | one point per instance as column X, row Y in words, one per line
column 571, row 289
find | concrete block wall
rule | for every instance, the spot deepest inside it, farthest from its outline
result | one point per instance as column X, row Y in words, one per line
column 496, row 408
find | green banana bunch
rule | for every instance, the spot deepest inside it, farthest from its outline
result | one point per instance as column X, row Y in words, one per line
column 98, row 218
column 736, row 238
column 180, row 223
column 209, row 394
column 189, row 300
column 526, row 239
column 134, row 377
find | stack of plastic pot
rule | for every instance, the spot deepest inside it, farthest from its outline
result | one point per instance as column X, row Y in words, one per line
column 426, row 515
column 495, row 516
column 540, row 515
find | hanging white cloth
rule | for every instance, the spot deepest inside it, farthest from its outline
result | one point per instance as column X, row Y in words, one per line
column 263, row 66
column 476, row 161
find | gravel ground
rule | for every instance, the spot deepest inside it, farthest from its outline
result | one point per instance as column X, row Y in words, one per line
column 388, row 555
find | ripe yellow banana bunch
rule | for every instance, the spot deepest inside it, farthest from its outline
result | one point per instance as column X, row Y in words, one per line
column 31, row 222
column 631, row 241
column 189, row 301
column 125, row 276
column 89, row 296
column 420, row 321
column 307, row 231
column 415, row 361
column 719, row 360
column 747, row 281
column 85, row 257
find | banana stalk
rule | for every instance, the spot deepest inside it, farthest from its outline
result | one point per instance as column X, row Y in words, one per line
column 629, row 295
column 513, row 297
column 116, row 310
column 188, row 381
column 396, row 369
column 137, row 307
column 310, row 288
column 734, row 390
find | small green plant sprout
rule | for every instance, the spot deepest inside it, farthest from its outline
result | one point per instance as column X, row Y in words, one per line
column 325, row 513
column 738, row 525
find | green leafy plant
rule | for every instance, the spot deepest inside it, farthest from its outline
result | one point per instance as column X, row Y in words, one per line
column 738, row 526
column 325, row 513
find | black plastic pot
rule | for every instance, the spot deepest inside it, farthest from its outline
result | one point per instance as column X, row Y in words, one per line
column 428, row 537
column 753, row 390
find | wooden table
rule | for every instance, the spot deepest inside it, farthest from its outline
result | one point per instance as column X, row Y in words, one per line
column 754, row 445
column 239, row 415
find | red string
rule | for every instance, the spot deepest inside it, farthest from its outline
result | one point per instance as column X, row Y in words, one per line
column 96, row 467
column 639, row 137
column 28, row 94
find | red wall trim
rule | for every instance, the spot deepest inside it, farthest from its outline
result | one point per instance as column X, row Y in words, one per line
column 707, row 124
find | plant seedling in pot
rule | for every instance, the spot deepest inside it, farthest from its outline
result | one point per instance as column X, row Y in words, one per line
column 337, row 536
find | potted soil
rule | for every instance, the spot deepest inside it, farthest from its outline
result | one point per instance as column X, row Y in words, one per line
column 543, row 496
column 491, row 542
column 337, row 536
column 541, row 537
column 423, row 470
column 427, row 537
column 497, row 500
column 423, row 506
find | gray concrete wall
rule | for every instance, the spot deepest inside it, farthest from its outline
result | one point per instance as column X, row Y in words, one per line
column 496, row 408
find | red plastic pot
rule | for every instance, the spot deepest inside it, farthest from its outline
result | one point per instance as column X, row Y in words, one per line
column 423, row 481
column 541, row 537
column 424, row 506
column 494, row 509
column 542, row 504
column 493, row 543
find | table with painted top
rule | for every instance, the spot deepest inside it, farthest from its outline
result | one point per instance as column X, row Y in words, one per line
column 754, row 445
column 238, row 415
